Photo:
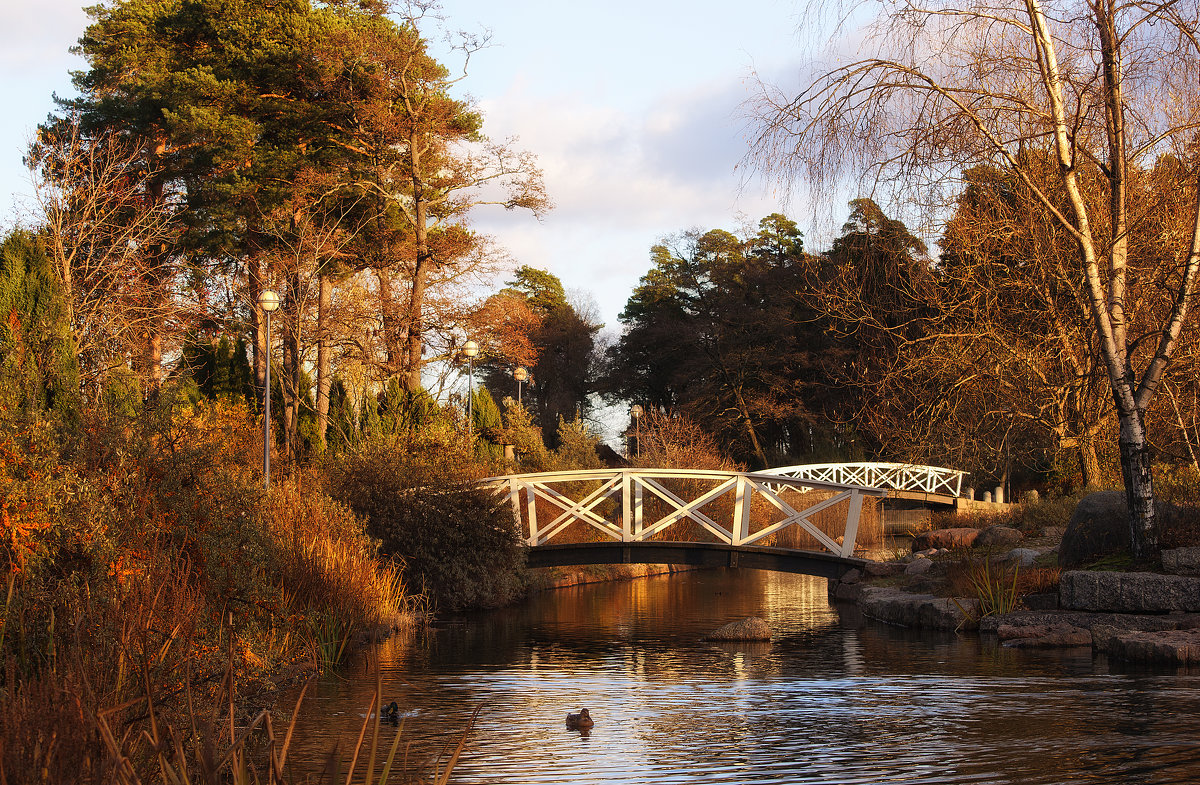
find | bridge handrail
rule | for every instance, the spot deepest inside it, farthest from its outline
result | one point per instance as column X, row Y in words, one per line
column 892, row 476
column 581, row 475
column 629, row 485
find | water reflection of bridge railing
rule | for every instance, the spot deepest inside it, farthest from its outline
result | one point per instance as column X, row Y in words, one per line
column 904, row 478
column 615, row 502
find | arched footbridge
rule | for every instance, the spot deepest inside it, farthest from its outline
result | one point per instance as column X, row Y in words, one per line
column 792, row 519
column 931, row 484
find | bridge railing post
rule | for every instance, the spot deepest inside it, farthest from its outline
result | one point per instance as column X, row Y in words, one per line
column 741, row 510
column 514, row 498
column 626, row 507
column 531, row 507
column 638, row 519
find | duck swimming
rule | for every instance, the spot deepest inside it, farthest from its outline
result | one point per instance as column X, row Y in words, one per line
column 390, row 712
column 580, row 720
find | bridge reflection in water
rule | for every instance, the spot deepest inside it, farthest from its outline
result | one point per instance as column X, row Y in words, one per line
column 688, row 516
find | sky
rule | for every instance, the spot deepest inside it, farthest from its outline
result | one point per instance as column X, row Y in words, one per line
column 632, row 109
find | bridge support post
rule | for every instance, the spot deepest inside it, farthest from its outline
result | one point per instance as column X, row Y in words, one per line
column 852, row 516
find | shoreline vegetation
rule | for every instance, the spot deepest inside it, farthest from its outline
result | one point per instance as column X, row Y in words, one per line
column 157, row 597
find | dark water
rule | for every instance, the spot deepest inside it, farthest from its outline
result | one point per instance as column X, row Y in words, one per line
column 833, row 699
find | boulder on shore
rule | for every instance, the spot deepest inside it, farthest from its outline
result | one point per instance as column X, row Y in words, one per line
column 1001, row 536
column 1099, row 526
column 750, row 628
column 962, row 537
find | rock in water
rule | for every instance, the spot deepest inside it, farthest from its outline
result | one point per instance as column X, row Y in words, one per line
column 750, row 628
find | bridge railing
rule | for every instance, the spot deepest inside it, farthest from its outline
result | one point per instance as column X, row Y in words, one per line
column 639, row 505
column 912, row 478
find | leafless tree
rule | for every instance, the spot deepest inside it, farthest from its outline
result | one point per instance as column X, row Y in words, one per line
column 112, row 237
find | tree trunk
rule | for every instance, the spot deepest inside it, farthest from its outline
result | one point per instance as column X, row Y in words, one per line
column 415, row 340
column 261, row 350
column 414, row 317
column 392, row 345
column 1089, row 461
column 1139, row 485
column 292, row 370
column 324, row 380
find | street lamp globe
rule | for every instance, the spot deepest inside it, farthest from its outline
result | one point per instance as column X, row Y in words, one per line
column 268, row 300
column 520, row 374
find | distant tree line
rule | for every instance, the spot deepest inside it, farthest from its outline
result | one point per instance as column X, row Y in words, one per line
column 979, row 358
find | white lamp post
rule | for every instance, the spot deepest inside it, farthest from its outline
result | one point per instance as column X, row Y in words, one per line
column 268, row 301
column 470, row 349
column 520, row 374
column 636, row 411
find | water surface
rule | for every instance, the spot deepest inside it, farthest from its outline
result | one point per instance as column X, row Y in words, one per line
column 833, row 699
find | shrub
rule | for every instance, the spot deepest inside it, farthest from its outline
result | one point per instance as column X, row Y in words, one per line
column 325, row 560
column 418, row 496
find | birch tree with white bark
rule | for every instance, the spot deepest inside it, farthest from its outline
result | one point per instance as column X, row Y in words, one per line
column 943, row 86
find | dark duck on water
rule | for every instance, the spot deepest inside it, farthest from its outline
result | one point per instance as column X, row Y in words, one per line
column 580, row 720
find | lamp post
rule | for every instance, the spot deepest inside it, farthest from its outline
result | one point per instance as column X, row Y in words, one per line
column 520, row 374
column 268, row 301
column 470, row 349
column 636, row 411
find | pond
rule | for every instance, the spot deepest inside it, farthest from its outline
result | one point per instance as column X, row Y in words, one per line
column 834, row 698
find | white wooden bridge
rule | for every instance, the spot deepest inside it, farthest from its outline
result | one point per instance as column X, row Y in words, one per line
column 901, row 480
column 708, row 518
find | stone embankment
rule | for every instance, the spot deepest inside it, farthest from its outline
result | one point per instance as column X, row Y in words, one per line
column 1133, row 616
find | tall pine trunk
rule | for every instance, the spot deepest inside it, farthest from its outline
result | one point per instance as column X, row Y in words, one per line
column 324, row 379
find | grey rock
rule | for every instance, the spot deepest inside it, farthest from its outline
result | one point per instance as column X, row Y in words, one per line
column 917, row 610
column 1178, row 647
column 1001, row 536
column 1181, row 561
column 1043, row 636
column 918, row 566
column 847, row 592
column 883, row 569
column 852, row 576
column 1128, row 592
column 1022, row 557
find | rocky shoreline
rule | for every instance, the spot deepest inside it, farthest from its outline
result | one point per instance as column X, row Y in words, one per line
column 1145, row 617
